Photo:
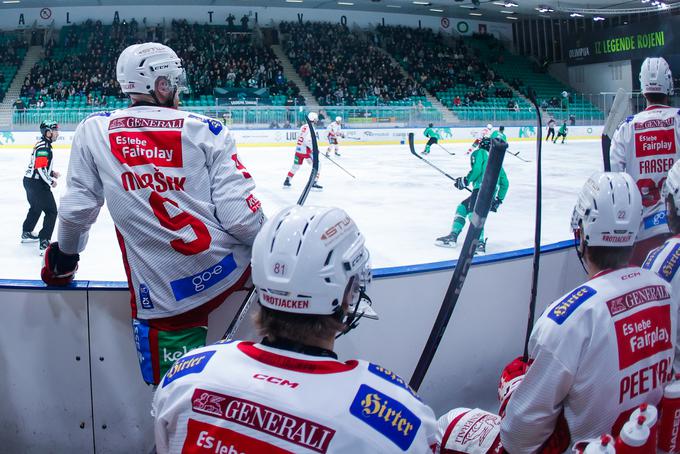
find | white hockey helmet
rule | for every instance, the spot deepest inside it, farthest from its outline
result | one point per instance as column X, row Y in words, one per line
column 305, row 257
column 672, row 186
column 140, row 67
column 338, row 119
column 313, row 117
column 608, row 210
column 656, row 76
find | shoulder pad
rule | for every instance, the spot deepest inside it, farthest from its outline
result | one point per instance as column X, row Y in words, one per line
column 391, row 377
column 385, row 415
column 186, row 365
column 670, row 264
column 562, row 310
column 215, row 126
column 105, row 113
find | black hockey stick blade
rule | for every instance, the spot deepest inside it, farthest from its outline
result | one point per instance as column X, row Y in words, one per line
column 537, row 226
column 341, row 167
column 411, row 146
column 480, row 211
column 446, row 149
column 616, row 115
column 518, row 156
column 251, row 296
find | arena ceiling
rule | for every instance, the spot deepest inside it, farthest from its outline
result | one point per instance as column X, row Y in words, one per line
column 498, row 10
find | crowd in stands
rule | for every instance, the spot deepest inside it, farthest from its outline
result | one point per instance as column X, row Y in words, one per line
column 10, row 57
column 342, row 68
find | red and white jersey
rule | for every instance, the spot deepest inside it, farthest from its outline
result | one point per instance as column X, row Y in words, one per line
column 665, row 262
column 334, row 130
column 645, row 146
column 245, row 397
column 598, row 352
column 181, row 201
column 304, row 141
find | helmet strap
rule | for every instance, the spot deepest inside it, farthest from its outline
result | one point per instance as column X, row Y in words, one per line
column 352, row 318
column 580, row 252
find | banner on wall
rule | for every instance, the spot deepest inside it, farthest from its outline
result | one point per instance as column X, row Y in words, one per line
column 636, row 41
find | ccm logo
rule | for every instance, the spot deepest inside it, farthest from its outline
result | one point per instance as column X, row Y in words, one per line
column 275, row 380
column 629, row 276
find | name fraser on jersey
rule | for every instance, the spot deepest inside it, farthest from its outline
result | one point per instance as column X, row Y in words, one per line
column 660, row 165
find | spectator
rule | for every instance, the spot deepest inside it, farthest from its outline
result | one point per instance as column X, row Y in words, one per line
column 19, row 105
column 244, row 23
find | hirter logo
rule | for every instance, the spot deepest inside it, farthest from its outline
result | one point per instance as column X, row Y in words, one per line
column 157, row 148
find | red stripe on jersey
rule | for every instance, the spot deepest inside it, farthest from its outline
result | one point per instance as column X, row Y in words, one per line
column 133, row 301
column 447, row 434
column 41, row 162
column 155, row 355
column 296, row 365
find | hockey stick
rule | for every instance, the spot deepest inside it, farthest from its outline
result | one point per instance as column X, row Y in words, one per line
column 412, row 147
column 341, row 167
column 251, row 297
column 537, row 229
column 352, row 138
column 615, row 117
column 480, row 211
column 517, row 154
column 446, row 150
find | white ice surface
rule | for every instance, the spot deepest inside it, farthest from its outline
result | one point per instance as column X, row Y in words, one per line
column 400, row 204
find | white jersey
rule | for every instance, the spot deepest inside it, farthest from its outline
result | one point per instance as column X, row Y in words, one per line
column 245, row 397
column 304, row 140
column 645, row 146
column 598, row 352
column 334, row 130
column 181, row 201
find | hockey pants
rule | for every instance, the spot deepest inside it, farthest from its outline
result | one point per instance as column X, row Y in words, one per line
column 429, row 143
column 563, row 136
column 297, row 162
column 41, row 200
column 464, row 211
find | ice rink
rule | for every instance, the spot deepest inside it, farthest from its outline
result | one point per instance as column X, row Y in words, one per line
column 399, row 202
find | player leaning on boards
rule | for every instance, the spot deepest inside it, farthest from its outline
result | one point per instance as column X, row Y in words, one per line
column 646, row 145
column 289, row 393
column 333, row 132
column 478, row 161
column 303, row 151
column 181, row 201
column 587, row 371
column 39, row 180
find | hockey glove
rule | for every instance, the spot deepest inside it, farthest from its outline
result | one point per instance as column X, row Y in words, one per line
column 59, row 268
column 461, row 183
column 495, row 204
column 511, row 377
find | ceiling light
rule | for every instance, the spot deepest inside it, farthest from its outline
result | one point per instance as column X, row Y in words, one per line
column 422, row 3
column 293, row 1
column 437, row 10
column 507, row 12
column 10, row 1
column 475, row 14
column 468, row 6
column 511, row 5
column 575, row 15
column 499, row 3
column 598, row 18
column 511, row 17
column 393, row 6
column 346, row 3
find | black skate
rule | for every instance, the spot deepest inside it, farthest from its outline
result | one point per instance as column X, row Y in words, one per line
column 317, row 186
column 286, row 183
column 337, row 154
column 328, row 154
column 481, row 247
column 43, row 246
column 29, row 237
column 447, row 241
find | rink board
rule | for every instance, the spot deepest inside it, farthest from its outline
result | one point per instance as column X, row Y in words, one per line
column 52, row 402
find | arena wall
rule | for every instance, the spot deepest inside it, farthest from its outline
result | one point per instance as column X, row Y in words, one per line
column 287, row 137
column 70, row 381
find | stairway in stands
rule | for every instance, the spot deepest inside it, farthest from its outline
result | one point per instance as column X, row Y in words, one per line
column 448, row 116
column 291, row 74
column 34, row 54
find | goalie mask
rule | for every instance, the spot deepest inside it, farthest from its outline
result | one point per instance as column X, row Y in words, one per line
column 305, row 259
column 150, row 68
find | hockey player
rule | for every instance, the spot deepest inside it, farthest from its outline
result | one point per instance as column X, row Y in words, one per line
column 478, row 161
column 432, row 138
column 303, row 151
column 484, row 133
column 334, row 131
column 500, row 134
column 562, row 132
column 646, row 145
column 289, row 392
column 181, row 201
column 39, row 179
column 551, row 130
column 592, row 359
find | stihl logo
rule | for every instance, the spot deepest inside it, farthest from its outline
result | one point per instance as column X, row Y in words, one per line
column 158, row 148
